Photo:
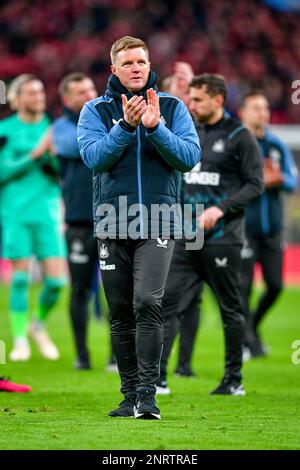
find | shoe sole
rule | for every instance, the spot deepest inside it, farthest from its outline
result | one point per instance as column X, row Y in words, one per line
column 162, row 391
column 49, row 358
column 112, row 368
column 15, row 391
column 19, row 359
column 239, row 393
column 146, row 415
column 121, row 417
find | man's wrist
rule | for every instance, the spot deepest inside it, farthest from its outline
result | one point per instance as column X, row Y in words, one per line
column 150, row 130
column 222, row 207
column 126, row 126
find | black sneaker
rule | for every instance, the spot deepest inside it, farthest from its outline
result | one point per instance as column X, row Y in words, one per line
column 112, row 366
column 253, row 342
column 126, row 407
column 256, row 347
column 185, row 371
column 229, row 386
column 146, row 407
column 82, row 365
column 162, row 385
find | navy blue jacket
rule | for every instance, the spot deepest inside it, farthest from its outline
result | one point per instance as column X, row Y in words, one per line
column 265, row 215
column 144, row 165
column 76, row 178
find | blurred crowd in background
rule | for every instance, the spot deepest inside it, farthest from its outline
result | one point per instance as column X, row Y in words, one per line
column 251, row 44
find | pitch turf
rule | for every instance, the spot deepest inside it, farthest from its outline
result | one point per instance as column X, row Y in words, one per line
column 68, row 409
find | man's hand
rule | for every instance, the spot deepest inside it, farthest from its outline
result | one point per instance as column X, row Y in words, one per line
column 151, row 115
column 272, row 174
column 133, row 109
column 183, row 75
column 210, row 217
column 45, row 145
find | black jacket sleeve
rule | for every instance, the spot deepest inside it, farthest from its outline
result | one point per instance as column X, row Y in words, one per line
column 246, row 151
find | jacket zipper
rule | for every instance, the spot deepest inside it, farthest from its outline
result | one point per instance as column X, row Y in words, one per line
column 139, row 180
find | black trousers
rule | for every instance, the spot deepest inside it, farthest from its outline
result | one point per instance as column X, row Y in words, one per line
column 189, row 324
column 268, row 252
column 134, row 274
column 82, row 256
column 219, row 266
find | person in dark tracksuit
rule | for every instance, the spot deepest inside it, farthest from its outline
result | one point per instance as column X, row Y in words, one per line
column 228, row 178
column 264, row 218
column 178, row 85
column 137, row 141
column 76, row 179
column 189, row 325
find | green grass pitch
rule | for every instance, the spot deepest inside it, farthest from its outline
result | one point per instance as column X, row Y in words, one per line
column 67, row 409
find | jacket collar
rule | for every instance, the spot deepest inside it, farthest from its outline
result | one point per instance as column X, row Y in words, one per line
column 115, row 88
column 74, row 117
column 200, row 125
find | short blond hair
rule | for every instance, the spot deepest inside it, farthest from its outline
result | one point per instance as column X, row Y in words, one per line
column 15, row 86
column 127, row 42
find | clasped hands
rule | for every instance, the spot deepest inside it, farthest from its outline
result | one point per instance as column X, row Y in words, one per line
column 136, row 110
column 44, row 145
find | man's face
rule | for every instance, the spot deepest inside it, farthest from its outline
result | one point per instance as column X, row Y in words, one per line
column 31, row 98
column 255, row 112
column 203, row 106
column 79, row 93
column 132, row 68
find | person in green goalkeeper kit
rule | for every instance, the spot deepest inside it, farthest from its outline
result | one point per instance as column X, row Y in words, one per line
column 30, row 208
